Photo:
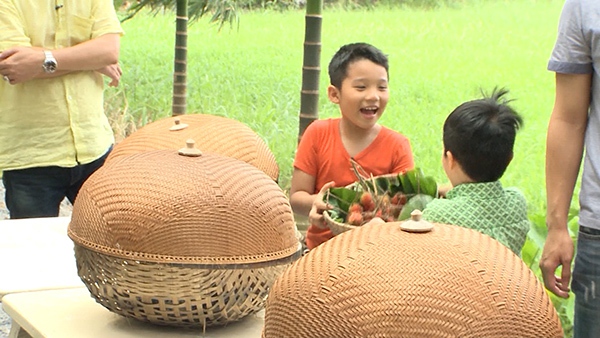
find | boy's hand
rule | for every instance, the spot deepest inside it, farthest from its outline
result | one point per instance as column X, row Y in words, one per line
column 315, row 216
column 443, row 189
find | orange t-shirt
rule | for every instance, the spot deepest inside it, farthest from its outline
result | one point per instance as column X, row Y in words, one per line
column 321, row 154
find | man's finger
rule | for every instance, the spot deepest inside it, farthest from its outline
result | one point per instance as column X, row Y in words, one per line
column 7, row 53
column 565, row 276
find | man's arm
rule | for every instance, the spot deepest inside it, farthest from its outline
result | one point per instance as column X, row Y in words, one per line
column 564, row 150
column 25, row 63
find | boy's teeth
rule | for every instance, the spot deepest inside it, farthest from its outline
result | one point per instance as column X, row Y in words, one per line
column 369, row 110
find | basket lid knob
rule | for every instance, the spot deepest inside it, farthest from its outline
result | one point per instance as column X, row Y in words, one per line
column 190, row 149
column 178, row 125
column 415, row 223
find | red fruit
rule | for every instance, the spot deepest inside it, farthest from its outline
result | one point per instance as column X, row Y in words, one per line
column 399, row 199
column 355, row 218
column 355, row 207
column 367, row 216
column 366, row 198
column 395, row 211
column 387, row 210
column 403, row 199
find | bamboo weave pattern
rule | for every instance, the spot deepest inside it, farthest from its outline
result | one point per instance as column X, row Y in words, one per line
column 379, row 281
column 163, row 207
column 181, row 241
column 214, row 134
column 174, row 295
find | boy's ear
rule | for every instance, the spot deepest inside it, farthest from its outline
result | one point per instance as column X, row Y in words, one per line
column 333, row 94
column 450, row 158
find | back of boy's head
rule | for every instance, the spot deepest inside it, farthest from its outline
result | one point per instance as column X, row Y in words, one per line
column 480, row 134
column 347, row 54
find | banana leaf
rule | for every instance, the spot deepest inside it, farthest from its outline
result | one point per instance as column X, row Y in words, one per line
column 384, row 184
column 340, row 199
column 419, row 201
column 415, row 182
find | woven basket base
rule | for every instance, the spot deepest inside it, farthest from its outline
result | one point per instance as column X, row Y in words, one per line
column 174, row 295
column 335, row 226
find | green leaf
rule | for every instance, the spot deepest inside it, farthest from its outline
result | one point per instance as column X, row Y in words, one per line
column 406, row 185
column 395, row 185
column 382, row 183
column 417, row 202
column 428, row 186
column 414, row 177
column 530, row 253
column 341, row 198
column 573, row 224
column 336, row 215
column 538, row 231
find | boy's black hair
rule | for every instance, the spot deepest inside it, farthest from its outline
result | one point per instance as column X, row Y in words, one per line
column 338, row 66
column 481, row 135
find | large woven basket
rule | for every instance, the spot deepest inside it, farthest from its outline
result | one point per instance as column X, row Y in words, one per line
column 183, row 241
column 215, row 134
column 381, row 281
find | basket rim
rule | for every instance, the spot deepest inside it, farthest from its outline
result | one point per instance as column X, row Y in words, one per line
column 249, row 261
column 335, row 226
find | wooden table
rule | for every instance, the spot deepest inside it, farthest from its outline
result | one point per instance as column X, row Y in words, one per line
column 74, row 313
column 37, row 254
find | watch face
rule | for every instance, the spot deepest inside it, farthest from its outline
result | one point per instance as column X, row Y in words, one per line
column 49, row 66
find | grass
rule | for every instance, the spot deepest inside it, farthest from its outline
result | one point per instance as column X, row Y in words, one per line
column 439, row 58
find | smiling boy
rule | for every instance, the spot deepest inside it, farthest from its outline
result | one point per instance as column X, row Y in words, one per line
column 358, row 74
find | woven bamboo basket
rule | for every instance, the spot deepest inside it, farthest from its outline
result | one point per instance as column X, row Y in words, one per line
column 181, row 241
column 335, row 226
column 215, row 134
column 381, row 281
column 339, row 227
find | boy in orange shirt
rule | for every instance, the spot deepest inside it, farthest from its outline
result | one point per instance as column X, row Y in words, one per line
column 358, row 74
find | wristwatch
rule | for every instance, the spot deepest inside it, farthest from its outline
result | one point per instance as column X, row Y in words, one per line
column 49, row 64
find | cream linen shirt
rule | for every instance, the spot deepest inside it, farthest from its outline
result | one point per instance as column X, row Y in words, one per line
column 58, row 121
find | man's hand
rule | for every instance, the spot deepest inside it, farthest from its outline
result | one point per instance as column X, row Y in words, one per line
column 21, row 64
column 113, row 72
column 558, row 251
column 315, row 216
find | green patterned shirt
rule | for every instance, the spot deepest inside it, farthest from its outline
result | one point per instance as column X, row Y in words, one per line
column 486, row 207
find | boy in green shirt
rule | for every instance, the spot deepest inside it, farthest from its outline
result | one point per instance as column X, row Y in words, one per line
column 479, row 136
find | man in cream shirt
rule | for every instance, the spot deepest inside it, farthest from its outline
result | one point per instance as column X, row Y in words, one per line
column 53, row 130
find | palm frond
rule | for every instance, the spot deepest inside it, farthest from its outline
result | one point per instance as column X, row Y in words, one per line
column 223, row 11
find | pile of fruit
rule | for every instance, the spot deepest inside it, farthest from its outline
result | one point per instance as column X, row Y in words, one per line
column 389, row 197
